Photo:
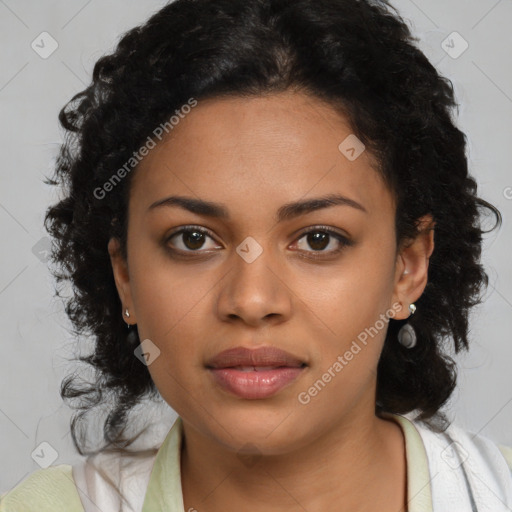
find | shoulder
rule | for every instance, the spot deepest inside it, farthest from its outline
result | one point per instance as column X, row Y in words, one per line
column 464, row 443
column 104, row 481
column 490, row 454
column 51, row 489
column 461, row 461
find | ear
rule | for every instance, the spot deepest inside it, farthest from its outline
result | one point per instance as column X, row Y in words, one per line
column 411, row 270
column 122, row 279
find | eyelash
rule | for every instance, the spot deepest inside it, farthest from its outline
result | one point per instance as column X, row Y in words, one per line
column 344, row 241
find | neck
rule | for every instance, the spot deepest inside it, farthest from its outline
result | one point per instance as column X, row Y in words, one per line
column 357, row 465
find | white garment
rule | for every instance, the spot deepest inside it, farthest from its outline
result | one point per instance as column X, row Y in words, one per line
column 466, row 473
column 113, row 483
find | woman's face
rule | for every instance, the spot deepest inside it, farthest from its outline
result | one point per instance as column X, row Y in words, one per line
column 253, row 276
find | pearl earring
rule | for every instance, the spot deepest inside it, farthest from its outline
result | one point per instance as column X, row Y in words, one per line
column 407, row 334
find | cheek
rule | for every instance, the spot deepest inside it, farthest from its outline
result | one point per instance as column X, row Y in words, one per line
column 354, row 306
column 171, row 301
column 350, row 296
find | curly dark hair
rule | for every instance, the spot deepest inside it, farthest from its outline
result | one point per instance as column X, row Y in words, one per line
column 358, row 56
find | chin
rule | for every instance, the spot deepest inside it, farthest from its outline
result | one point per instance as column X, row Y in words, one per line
column 264, row 430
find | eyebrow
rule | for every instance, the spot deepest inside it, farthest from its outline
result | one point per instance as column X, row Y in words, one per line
column 286, row 212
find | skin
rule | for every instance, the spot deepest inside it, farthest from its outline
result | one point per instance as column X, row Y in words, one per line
column 254, row 155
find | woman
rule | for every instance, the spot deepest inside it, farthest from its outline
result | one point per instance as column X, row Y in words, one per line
column 273, row 197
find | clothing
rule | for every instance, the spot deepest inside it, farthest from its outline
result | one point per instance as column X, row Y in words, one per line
column 450, row 472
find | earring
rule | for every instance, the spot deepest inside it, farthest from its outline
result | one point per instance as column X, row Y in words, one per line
column 127, row 315
column 407, row 334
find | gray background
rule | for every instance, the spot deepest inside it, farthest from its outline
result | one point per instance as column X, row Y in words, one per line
column 36, row 344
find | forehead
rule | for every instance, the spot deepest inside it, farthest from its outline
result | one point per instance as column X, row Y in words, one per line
column 259, row 151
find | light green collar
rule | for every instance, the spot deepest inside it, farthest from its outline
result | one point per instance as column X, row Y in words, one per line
column 164, row 491
column 419, row 491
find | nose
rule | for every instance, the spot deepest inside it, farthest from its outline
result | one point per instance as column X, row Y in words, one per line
column 255, row 293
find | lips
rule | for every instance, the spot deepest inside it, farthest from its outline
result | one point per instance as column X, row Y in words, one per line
column 254, row 368
column 254, row 373
column 258, row 359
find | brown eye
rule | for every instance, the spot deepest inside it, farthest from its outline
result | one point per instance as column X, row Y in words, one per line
column 190, row 239
column 193, row 239
column 318, row 240
column 322, row 240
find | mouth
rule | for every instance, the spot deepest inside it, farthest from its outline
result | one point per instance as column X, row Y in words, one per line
column 260, row 368
column 254, row 373
column 263, row 357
